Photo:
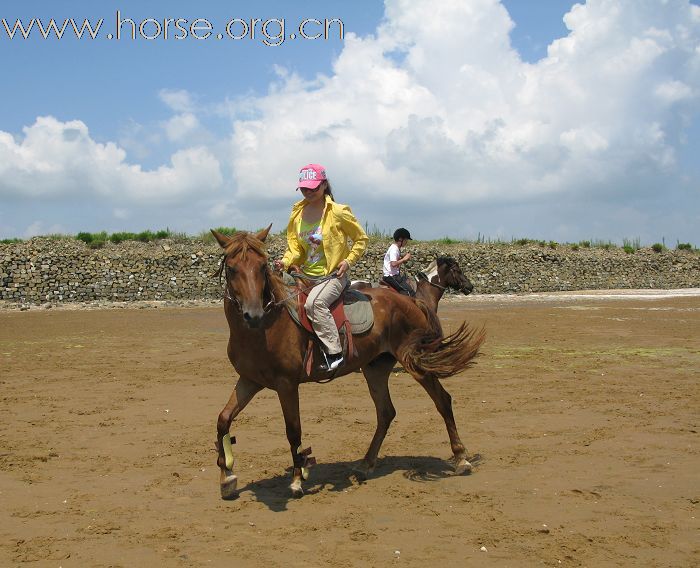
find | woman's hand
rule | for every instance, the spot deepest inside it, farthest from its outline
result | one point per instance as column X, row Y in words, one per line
column 343, row 267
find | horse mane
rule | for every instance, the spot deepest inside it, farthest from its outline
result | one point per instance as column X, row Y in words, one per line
column 241, row 243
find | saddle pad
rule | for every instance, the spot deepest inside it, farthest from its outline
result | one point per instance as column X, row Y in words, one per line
column 358, row 311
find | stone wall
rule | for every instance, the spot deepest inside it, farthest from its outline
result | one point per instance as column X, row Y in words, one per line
column 44, row 270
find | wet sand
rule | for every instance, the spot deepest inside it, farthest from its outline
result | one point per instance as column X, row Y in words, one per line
column 584, row 410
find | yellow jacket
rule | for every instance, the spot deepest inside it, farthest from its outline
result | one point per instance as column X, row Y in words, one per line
column 337, row 225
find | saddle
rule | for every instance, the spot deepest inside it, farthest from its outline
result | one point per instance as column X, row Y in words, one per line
column 407, row 287
column 352, row 313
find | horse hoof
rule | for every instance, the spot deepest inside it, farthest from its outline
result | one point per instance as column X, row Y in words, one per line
column 463, row 467
column 297, row 490
column 229, row 484
column 362, row 472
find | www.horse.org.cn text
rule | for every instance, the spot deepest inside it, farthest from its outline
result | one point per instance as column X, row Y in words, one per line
column 271, row 32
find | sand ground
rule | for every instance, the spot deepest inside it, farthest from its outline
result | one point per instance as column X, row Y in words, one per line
column 584, row 410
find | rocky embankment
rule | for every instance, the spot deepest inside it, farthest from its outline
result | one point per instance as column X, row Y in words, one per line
column 42, row 270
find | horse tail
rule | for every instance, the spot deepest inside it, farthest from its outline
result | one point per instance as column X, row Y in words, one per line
column 430, row 352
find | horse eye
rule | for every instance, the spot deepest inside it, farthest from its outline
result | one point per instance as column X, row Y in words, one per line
column 231, row 270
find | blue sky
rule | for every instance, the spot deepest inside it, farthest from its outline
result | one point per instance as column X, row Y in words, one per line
column 467, row 117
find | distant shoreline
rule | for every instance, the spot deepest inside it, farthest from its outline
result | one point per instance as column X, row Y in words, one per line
column 476, row 299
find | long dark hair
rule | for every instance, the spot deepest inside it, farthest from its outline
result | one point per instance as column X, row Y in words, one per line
column 329, row 190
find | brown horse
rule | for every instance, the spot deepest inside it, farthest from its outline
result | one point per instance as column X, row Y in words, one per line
column 266, row 347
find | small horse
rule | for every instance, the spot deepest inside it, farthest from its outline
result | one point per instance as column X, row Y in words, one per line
column 442, row 273
column 267, row 348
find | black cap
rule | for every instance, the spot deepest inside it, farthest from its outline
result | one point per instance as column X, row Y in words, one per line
column 402, row 234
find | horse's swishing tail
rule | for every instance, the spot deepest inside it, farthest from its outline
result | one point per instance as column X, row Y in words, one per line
column 432, row 353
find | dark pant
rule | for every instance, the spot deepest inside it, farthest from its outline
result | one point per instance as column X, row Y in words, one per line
column 399, row 284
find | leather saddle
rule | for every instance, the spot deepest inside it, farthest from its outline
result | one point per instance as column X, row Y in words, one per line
column 353, row 306
column 352, row 313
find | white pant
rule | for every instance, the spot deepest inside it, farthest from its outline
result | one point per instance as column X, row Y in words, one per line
column 320, row 297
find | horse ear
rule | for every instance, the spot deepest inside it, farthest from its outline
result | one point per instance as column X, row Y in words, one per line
column 221, row 238
column 262, row 235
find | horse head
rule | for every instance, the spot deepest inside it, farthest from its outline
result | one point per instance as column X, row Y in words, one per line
column 451, row 275
column 247, row 274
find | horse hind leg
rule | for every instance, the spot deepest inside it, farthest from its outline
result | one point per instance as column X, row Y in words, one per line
column 377, row 375
column 443, row 403
column 242, row 394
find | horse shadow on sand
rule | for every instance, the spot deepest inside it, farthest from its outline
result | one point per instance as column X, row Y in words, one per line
column 340, row 476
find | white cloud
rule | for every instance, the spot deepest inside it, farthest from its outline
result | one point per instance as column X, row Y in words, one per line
column 120, row 213
column 181, row 126
column 138, row 140
column 435, row 112
column 38, row 228
column 673, row 91
column 177, row 100
column 223, row 210
column 60, row 160
column 438, row 98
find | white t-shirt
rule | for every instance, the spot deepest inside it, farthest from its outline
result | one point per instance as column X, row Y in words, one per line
column 393, row 254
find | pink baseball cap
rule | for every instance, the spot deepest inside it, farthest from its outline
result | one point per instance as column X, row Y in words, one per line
column 311, row 176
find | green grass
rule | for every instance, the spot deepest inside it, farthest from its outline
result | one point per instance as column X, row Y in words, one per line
column 208, row 238
column 376, row 234
column 606, row 245
column 98, row 240
column 143, row 236
column 446, row 241
column 631, row 246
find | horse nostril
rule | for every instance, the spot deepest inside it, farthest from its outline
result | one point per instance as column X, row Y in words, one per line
column 252, row 321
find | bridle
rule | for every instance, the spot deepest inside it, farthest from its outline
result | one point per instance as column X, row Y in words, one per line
column 451, row 267
column 231, row 297
column 439, row 286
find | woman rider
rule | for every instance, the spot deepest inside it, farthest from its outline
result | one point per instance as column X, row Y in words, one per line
column 317, row 242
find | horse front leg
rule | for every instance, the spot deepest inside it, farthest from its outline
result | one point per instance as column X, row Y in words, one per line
column 242, row 394
column 289, row 400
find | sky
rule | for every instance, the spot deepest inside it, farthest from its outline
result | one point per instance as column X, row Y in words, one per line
column 544, row 119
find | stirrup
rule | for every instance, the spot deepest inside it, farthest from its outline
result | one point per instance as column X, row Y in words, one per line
column 328, row 365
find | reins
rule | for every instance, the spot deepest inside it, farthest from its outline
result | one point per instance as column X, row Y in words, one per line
column 439, row 286
column 443, row 288
column 273, row 303
column 301, row 289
